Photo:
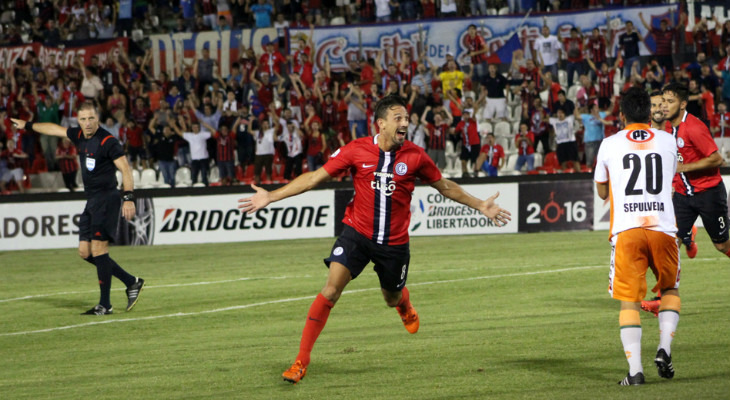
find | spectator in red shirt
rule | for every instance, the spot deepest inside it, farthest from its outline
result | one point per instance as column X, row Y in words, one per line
column 553, row 88
column 225, row 141
column 436, row 134
column 367, row 76
column 271, row 61
column 429, row 8
column 596, row 45
column 316, row 145
column 525, row 144
column 477, row 52
column 491, row 158
column 720, row 126
column 72, row 98
column 470, row 140
column 574, row 50
column 664, row 37
column 605, row 77
column 407, row 68
column 135, row 143
column 329, row 113
column 66, row 157
column 13, row 162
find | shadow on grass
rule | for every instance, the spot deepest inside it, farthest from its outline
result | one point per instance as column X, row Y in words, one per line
column 575, row 367
column 68, row 304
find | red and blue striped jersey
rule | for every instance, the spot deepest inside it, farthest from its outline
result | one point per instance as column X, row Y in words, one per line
column 384, row 183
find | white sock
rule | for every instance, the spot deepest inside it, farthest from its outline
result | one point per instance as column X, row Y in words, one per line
column 631, row 339
column 668, row 321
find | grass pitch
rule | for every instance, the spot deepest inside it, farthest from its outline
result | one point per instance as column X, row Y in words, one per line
column 502, row 317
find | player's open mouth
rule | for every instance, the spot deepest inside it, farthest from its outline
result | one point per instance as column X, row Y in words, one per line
column 401, row 133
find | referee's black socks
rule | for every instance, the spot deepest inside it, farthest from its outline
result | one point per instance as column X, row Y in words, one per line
column 104, row 272
column 116, row 271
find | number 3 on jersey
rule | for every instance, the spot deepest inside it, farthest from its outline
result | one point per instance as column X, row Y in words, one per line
column 652, row 163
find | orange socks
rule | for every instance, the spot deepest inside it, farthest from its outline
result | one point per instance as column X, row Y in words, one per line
column 316, row 319
column 405, row 301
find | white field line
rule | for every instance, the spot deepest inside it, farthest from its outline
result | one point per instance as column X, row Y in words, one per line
column 160, row 286
column 172, row 285
column 292, row 299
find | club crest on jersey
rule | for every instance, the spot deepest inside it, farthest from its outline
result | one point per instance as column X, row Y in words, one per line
column 680, row 142
column 640, row 135
column 401, row 168
column 90, row 163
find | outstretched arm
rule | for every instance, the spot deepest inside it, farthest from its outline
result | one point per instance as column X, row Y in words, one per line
column 488, row 207
column 263, row 197
column 46, row 128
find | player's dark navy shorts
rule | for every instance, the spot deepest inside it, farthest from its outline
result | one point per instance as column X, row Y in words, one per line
column 100, row 218
column 470, row 155
column 710, row 205
column 355, row 251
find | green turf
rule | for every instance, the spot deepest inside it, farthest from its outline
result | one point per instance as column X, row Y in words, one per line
column 498, row 320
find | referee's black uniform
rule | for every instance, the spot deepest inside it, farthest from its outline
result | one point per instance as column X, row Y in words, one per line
column 101, row 215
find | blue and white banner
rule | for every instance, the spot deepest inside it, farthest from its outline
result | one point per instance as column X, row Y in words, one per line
column 437, row 38
column 224, row 47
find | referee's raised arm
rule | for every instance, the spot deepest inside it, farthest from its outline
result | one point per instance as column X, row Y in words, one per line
column 46, row 128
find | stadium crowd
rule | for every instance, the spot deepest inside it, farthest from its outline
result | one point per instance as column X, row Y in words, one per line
column 276, row 115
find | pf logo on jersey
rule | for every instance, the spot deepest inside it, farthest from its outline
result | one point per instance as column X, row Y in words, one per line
column 640, row 135
column 401, row 168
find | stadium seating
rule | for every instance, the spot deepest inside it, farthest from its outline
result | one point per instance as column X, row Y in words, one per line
column 502, row 128
column 183, row 177
column 563, row 78
column 136, row 177
column 511, row 162
column 550, row 164
column 572, row 92
column 148, row 179
column 505, row 142
column 538, row 159
column 214, row 176
column 452, row 158
column 161, row 181
column 517, row 113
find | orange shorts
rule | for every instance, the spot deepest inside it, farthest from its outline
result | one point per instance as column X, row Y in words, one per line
column 634, row 252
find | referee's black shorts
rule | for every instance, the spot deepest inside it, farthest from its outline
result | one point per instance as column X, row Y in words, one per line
column 100, row 218
column 710, row 205
column 355, row 251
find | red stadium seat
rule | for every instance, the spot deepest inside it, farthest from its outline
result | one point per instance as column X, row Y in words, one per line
column 550, row 164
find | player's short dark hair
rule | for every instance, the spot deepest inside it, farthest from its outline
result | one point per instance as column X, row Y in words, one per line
column 89, row 105
column 386, row 103
column 655, row 93
column 636, row 105
column 678, row 89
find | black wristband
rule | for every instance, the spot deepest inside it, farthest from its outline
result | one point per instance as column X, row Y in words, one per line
column 28, row 127
column 128, row 196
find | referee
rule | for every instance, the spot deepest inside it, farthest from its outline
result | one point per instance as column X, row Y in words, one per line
column 101, row 154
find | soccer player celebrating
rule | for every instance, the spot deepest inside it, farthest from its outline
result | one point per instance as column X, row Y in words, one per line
column 384, row 169
column 101, row 155
column 637, row 165
column 698, row 185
